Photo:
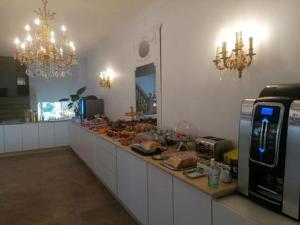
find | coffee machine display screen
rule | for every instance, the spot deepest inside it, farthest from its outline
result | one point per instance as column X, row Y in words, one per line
column 266, row 111
column 265, row 129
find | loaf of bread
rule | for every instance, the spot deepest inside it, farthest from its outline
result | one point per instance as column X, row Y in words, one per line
column 182, row 160
column 168, row 153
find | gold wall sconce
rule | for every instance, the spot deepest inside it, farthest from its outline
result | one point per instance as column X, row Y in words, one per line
column 237, row 59
column 104, row 79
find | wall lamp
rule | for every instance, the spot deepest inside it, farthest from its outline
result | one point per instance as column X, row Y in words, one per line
column 238, row 59
column 104, row 79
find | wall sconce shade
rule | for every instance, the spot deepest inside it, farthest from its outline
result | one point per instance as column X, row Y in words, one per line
column 104, row 79
column 238, row 59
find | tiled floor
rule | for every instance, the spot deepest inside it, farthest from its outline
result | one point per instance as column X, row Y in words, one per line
column 55, row 188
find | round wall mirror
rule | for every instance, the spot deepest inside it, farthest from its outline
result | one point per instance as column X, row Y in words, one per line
column 144, row 48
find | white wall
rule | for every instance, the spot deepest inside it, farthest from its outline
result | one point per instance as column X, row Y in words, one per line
column 192, row 89
column 53, row 89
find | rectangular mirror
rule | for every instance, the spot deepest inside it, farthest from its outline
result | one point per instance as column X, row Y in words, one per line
column 146, row 96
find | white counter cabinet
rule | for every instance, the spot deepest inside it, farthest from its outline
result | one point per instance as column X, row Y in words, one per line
column 61, row 134
column 46, row 135
column 72, row 136
column 155, row 197
column 89, row 148
column 13, row 138
column 132, row 184
column 86, row 147
column 74, row 139
column 191, row 206
column 83, row 144
column 105, row 163
column 30, row 136
column 2, row 138
column 160, row 196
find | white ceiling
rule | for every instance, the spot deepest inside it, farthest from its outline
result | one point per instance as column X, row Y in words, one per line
column 87, row 20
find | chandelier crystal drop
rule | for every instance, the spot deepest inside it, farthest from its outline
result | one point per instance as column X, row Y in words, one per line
column 42, row 50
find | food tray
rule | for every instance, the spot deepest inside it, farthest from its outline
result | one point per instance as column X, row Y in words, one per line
column 185, row 139
column 195, row 173
column 139, row 149
column 175, row 169
column 157, row 157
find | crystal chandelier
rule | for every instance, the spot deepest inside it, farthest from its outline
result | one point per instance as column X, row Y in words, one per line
column 43, row 52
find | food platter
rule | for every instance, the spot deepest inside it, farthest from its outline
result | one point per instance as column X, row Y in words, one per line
column 139, row 149
column 163, row 163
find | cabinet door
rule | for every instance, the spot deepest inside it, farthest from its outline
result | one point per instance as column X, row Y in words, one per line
column 61, row 133
column 89, row 149
column 97, row 165
column 224, row 216
column 13, row 138
column 72, row 135
column 105, row 163
column 132, row 184
column 77, row 138
column 85, row 146
column 2, row 146
column 160, row 195
column 108, row 154
column 46, row 135
column 191, row 206
column 30, row 134
column 82, row 145
column 74, row 139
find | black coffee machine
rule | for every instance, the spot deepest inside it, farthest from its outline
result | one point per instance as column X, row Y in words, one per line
column 269, row 149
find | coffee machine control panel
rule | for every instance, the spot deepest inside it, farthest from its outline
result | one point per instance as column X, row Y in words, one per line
column 266, row 129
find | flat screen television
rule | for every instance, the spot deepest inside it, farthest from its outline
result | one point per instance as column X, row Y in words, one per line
column 88, row 108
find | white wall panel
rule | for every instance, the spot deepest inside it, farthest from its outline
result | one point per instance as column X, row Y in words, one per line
column 192, row 89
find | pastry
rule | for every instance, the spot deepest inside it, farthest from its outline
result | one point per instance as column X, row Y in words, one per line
column 168, row 153
column 150, row 145
column 143, row 127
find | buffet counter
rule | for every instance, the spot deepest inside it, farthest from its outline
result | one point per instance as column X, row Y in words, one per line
column 199, row 183
column 156, row 195
column 17, row 137
column 13, row 122
column 151, row 193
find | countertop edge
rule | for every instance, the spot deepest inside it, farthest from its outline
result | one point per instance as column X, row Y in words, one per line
column 21, row 123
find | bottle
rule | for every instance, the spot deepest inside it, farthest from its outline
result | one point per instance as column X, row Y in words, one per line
column 213, row 174
column 225, row 175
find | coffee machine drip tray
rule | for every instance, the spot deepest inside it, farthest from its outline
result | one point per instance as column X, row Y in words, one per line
column 269, row 193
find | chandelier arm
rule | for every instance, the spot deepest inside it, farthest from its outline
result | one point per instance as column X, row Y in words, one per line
column 217, row 62
column 45, row 2
column 220, row 67
column 228, row 62
column 249, row 62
